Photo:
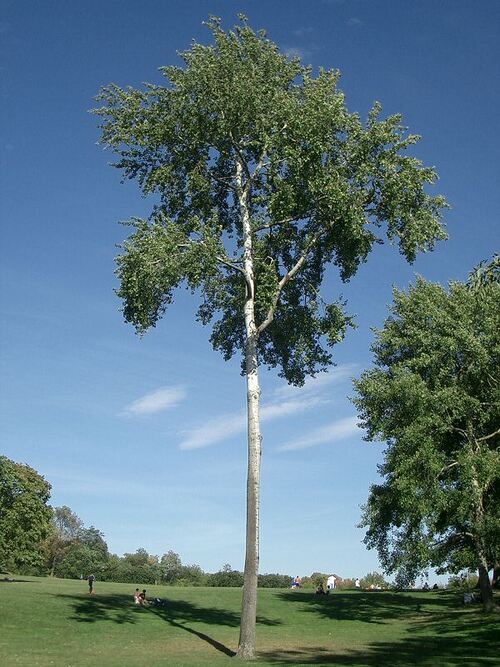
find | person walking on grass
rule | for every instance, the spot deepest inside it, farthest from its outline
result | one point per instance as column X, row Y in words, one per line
column 330, row 582
column 91, row 579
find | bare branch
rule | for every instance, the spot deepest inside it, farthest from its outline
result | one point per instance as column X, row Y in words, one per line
column 286, row 278
column 488, row 437
column 292, row 218
column 285, row 221
column 223, row 259
column 227, row 262
column 459, row 430
column 260, row 164
column 448, row 467
column 225, row 181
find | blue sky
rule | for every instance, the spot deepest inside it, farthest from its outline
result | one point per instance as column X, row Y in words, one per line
column 144, row 438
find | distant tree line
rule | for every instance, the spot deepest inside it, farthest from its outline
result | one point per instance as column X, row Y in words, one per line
column 40, row 540
column 73, row 551
column 345, row 583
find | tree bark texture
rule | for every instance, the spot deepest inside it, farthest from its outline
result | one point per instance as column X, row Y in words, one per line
column 246, row 646
column 486, row 589
column 482, row 560
column 484, row 580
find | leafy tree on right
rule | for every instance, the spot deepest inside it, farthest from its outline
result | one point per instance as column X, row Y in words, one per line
column 434, row 398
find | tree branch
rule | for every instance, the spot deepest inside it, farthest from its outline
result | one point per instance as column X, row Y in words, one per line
column 262, row 160
column 242, row 160
column 448, row 467
column 226, row 182
column 285, row 221
column 286, row 278
column 488, row 437
column 260, row 165
column 223, row 259
column 292, row 218
column 459, row 430
column 227, row 262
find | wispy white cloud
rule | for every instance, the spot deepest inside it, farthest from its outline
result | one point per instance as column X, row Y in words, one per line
column 214, row 430
column 286, row 401
column 316, row 384
column 225, row 426
column 277, row 410
column 354, row 22
column 303, row 32
column 337, row 430
column 298, row 52
column 164, row 398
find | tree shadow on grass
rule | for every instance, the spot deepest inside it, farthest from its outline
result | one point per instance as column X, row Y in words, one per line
column 439, row 632
column 169, row 616
column 373, row 606
column 177, row 613
column 452, row 650
column 417, row 652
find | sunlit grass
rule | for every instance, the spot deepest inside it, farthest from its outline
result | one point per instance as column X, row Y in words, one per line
column 55, row 622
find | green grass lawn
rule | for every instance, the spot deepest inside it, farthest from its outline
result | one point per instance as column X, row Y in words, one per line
column 47, row 621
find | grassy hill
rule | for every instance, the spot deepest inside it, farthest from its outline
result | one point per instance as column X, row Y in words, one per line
column 55, row 622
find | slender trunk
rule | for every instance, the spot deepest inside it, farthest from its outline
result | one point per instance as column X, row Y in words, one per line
column 246, row 645
column 53, row 568
column 484, row 580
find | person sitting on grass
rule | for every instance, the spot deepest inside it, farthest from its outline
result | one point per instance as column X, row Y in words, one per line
column 137, row 598
column 143, row 601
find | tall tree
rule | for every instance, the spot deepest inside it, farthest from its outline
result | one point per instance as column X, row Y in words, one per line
column 94, row 539
column 171, row 567
column 67, row 527
column 264, row 179
column 434, row 397
column 71, row 549
column 24, row 515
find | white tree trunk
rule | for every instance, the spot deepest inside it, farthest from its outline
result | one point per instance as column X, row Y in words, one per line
column 246, row 646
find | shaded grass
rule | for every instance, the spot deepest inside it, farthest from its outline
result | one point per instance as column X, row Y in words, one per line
column 55, row 622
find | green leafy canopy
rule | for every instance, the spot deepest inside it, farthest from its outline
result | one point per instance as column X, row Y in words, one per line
column 317, row 182
column 24, row 515
column 434, row 398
